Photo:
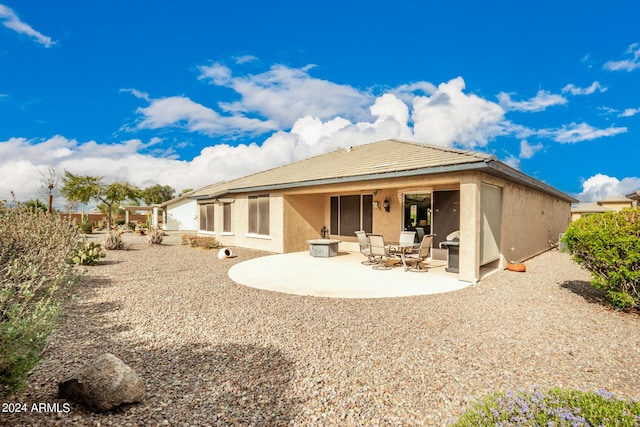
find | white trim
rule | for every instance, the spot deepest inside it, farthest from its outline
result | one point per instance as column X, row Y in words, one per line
column 258, row 236
column 207, row 233
column 227, row 233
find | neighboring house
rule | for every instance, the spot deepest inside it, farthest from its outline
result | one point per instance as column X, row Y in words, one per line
column 180, row 213
column 385, row 187
column 610, row 204
column 635, row 198
column 616, row 203
column 583, row 209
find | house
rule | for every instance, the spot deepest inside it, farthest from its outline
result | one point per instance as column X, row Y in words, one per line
column 616, row 203
column 385, row 187
column 610, row 204
column 634, row 197
column 180, row 213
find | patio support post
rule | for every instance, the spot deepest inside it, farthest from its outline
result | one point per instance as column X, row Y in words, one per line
column 469, row 230
column 126, row 216
column 155, row 218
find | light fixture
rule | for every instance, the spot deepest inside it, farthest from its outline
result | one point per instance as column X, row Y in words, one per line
column 386, row 205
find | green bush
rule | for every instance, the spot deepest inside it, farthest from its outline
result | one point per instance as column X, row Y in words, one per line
column 85, row 227
column 557, row 407
column 608, row 245
column 33, row 279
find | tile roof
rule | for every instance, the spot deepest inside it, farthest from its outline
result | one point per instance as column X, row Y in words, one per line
column 376, row 160
column 590, row 208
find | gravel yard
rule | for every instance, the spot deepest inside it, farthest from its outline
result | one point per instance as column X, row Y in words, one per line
column 212, row 352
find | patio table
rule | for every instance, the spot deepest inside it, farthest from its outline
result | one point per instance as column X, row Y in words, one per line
column 396, row 248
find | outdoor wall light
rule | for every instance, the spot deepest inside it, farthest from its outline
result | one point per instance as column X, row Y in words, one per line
column 386, row 205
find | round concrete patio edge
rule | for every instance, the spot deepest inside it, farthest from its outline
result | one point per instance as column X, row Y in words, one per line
column 341, row 276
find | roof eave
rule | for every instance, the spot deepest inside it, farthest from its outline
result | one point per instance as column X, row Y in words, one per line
column 490, row 166
column 521, row 178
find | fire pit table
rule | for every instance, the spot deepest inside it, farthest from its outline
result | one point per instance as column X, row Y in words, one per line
column 323, row 248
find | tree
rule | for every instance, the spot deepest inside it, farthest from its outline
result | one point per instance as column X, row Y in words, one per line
column 49, row 181
column 157, row 194
column 84, row 188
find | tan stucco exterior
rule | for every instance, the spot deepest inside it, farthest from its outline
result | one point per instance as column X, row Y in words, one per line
column 530, row 220
column 500, row 213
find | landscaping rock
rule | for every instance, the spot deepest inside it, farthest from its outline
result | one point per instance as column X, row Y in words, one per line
column 103, row 384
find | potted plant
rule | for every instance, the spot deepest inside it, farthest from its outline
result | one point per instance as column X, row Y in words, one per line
column 517, row 266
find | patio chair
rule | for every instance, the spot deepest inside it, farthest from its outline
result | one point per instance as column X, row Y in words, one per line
column 422, row 254
column 420, row 231
column 379, row 252
column 407, row 240
column 364, row 248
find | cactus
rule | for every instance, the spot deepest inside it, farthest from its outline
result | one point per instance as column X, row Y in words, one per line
column 114, row 241
column 88, row 254
column 155, row 237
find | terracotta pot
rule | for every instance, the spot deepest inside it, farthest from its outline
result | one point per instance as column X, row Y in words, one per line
column 519, row 267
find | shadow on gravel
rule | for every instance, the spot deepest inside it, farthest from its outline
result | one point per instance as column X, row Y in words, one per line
column 586, row 291
column 231, row 384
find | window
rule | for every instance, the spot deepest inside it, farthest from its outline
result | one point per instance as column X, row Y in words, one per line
column 226, row 217
column 206, row 217
column 259, row 214
column 350, row 214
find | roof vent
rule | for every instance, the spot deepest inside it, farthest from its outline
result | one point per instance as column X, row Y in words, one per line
column 348, row 149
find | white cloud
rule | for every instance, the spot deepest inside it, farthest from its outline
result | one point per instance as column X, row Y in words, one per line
column 284, row 94
column 600, row 186
column 527, row 150
column 626, row 64
column 574, row 90
column 450, row 116
column 581, row 132
column 512, row 161
column 540, row 102
column 10, row 20
column 629, row 112
column 182, row 112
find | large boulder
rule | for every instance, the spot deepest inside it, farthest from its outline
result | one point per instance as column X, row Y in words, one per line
column 103, row 384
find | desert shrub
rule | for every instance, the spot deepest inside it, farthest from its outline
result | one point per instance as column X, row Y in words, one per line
column 195, row 241
column 33, row 279
column 155, row 237
column 608, row 245
column 85, row 227
column 89, row 253
column 113, row 241
column 557, row 407
column 119, row 221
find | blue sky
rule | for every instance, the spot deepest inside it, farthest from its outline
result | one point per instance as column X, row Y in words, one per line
column 190, row 93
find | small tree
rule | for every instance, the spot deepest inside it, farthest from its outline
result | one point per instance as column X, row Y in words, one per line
column 49, row 181
column 608, row 245
column 84, row 188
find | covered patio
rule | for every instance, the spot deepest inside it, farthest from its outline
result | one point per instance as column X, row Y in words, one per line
column 342, row 276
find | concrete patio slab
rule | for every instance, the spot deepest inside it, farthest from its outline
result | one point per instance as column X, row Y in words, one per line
column 341, row 276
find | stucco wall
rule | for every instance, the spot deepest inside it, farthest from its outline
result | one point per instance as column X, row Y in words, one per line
column 531, row 220
column 240, row 236
column 304, row 216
